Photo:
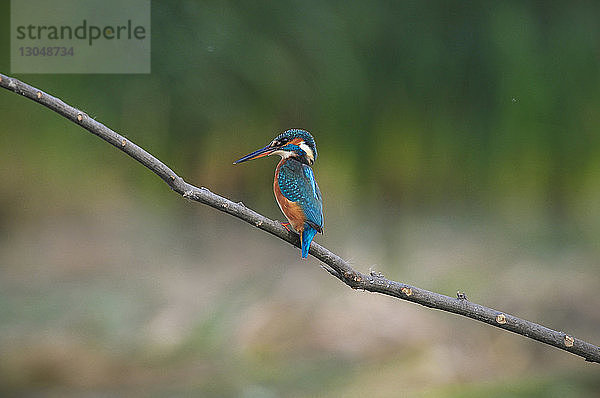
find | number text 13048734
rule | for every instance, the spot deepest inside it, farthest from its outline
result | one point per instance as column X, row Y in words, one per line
column 46, row 51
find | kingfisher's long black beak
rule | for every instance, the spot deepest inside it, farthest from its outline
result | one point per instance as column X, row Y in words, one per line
column 257, row 154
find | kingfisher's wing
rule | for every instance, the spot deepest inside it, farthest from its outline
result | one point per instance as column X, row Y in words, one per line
column 297, row 183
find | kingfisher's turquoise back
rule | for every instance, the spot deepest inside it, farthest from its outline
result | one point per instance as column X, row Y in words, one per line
column 297, row 183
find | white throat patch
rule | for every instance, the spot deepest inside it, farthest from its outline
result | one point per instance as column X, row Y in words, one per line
column 283, row 154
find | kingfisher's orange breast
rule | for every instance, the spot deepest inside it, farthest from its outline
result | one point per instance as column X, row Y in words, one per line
column 292, row 210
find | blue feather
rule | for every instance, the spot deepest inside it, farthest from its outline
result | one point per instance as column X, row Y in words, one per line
column 297, row 183
column 307, row 236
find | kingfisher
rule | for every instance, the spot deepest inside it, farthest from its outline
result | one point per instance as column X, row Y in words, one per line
column 295, row 187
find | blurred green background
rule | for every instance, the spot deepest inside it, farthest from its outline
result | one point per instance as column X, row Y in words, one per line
column 459, row 149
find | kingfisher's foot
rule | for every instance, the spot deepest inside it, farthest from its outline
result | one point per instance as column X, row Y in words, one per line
column 287, row 226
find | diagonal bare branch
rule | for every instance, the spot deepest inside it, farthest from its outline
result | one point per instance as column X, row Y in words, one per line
column 334, row 264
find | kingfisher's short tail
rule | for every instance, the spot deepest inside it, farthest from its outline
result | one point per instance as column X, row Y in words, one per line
column 306, row 237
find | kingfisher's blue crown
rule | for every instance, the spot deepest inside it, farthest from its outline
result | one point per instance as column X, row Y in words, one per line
column 291, row 134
